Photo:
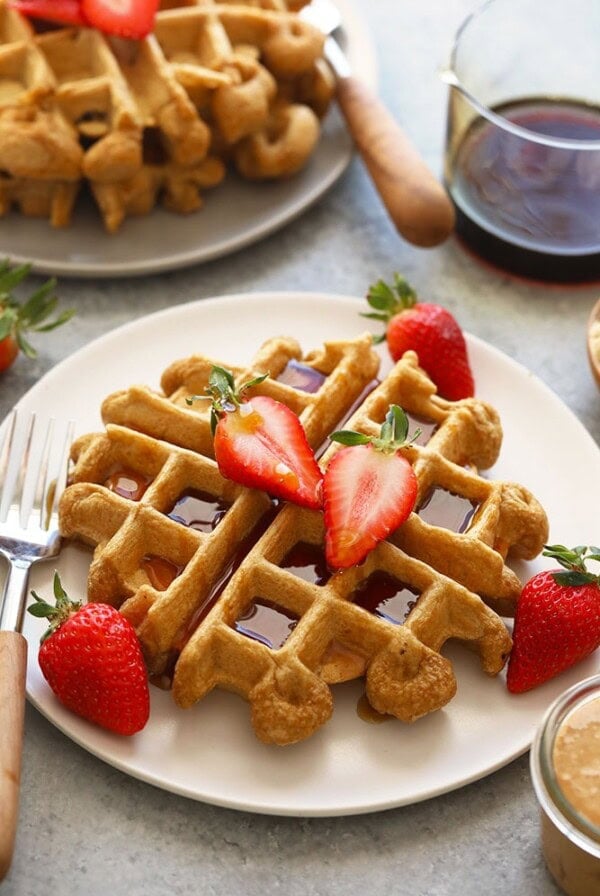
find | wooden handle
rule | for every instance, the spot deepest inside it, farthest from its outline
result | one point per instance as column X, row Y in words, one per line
column 13, row 670
column 417, row 203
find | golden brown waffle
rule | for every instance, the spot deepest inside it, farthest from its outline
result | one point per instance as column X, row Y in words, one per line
column 157, row 120
column 96, row 514
column 203, row 601
column 464, row 524
column 318, row 632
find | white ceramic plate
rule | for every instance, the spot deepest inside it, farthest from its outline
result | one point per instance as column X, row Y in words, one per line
column 235, row 214
column 209, row 753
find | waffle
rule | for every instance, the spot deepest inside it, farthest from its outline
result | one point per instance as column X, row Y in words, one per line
column 216, row 85
column 248, row 604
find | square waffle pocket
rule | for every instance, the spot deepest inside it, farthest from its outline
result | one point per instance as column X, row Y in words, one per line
column 215, row 577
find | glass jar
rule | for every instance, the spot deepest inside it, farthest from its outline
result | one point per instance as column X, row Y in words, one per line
column 565, row 768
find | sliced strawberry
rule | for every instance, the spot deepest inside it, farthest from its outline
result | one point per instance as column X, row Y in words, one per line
column 124, row 18
column 369, row 490
column 65, row 12
column 261, row 443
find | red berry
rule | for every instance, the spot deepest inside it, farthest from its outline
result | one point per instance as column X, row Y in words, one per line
column 557, row 621
column 92, row 661
column 369, row 490
column 8, row 352
column 129, row 18
column 65, row 12
column 427, row 329
column 261, row 443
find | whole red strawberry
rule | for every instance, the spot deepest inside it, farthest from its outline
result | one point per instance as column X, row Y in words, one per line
column 91, row 658
column 557, row 622
column 260, row 443
column 428, row 329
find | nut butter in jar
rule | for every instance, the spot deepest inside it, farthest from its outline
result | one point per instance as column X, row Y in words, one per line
column 565, row 768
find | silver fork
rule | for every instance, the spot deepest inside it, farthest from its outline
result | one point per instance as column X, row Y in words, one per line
column 28, row 533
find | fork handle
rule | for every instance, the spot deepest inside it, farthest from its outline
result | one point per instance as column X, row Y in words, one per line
column 13, row 668
column 416, row 201
column 14, row 598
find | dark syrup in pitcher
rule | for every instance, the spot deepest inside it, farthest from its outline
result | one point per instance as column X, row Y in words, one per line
column 531, row 208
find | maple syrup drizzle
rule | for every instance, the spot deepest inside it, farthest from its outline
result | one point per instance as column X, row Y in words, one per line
column 386, row 596
column 266, row 622
column 160, row 571
column 307, row 561
column 244, row 546
column 447, row 510
column 199, row 510
column 301, row 376
column 127, row 483
column 367, row 713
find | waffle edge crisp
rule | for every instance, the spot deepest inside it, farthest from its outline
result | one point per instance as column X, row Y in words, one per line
column 198, row 629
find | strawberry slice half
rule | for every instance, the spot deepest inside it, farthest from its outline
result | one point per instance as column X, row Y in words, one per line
column 64, row 12
column 369, row 489
column 132, row 19
column 261, row 443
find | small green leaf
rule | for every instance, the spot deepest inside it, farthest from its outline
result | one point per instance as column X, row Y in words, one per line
column 256, row 381
column 57, row 322
column 399, row 422
column 25, row 346
column 381, row 297
column 7, row 322
column 221, row 380
column 41, row 610
column 375, row 315
column 574, row 578
column 348, row 437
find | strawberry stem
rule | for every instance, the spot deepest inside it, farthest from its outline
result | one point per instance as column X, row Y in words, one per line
column 222, row 392
column 56, row 613
column 393, row 434
column 387, row 301
column 574, row 561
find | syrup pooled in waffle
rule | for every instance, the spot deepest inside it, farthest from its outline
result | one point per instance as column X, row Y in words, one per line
column 158, row 119
column 260, row 614
column 164, row 448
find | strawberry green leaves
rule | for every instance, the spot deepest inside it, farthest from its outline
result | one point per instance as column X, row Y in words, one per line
column 573, row 560
column 33, row 315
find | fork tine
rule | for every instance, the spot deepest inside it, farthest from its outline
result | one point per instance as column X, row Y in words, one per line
column 42, row 479
column 4, row 457
column 56, row 488
column 19, row 491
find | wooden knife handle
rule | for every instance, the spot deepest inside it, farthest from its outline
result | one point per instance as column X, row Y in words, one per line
column 417, row 203
column 13, row 670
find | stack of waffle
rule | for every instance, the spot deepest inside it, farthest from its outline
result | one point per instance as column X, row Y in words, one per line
column 229, row 589
column 156, row 120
